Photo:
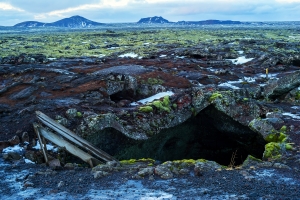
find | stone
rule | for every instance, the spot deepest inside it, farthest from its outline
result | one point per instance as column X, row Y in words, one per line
column 71, row 113
column 69, row 166
column 15, row 140
column 167, row 175
column 60, row 184
column 63, row 121
column 105, row 168
column 281, row 166
column 113, row 163
column 163, row 171
column 28, row 184
column 55, row 163
column 3, row 145
column 31, row 155
column 11, row 155
column 146, row 171
column 184, row 171
column 99, row 174
column 202, row 167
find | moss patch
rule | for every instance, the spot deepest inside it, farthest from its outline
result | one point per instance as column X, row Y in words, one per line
column 277, row 144
column 134, row 161
column 214, row 96
column 146, row 109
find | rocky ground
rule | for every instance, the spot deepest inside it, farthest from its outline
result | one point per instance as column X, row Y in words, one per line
column 221, row 100
column 255, row 181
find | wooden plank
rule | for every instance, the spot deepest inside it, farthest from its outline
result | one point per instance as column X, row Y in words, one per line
column 68, row 146
column 73, row 137
column 44, row 148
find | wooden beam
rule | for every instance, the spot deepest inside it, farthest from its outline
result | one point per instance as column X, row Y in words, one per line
column 72, row 137
column 43, row 146
column 68, row 146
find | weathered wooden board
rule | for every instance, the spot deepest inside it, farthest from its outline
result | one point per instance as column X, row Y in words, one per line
column 73, row 137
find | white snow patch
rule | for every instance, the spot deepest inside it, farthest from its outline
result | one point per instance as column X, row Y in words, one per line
column 112, row 48
column 28, row 161
column 131, row 55
column 229, row 84
column 162, row 56
column 295, row 107
column 270, row 75
column 147, row 43
column 49, row 147
column 15, row 148
column 240, row 60
column 248, row 79
column 152, row 98
column 181, row 57
column 51, row 59
column 240, row 52
column 291, row 115
column 262, row 84
column 265, row 173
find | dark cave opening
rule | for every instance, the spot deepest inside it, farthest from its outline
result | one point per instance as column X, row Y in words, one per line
column 210, row 135
column 125, row 94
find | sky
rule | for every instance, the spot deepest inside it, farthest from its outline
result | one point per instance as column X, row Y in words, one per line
column 113, row 11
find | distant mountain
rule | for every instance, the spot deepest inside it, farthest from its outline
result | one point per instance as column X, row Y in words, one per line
column 208, row 22
column 153, row 20
column 72, row 22
column 30, row 24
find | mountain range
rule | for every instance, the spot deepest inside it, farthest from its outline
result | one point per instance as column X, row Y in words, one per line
column 81, row 22
column 72, row 22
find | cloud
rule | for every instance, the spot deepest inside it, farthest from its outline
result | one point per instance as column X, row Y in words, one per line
column 8, row 7
column 132, row 10
column 288, row 1
column 105, row 4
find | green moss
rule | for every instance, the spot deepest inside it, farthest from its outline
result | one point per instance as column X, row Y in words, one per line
column 283, row 129
column 133, row 161
column 297, row 95
column 79, row 114
column 146, row 109
column 162, row 105
column 157, row 104
column 276, row 137
column 155, row 81
column 214, row 96
column 128, row 162
column 254, row 159
column 166, row 101
column 272, row 150
column 288, row 146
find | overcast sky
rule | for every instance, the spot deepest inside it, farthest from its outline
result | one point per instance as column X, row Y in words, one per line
column 15, row 11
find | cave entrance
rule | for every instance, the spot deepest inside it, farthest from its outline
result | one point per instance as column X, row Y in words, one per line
column 125, row 94
column 211, row 135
